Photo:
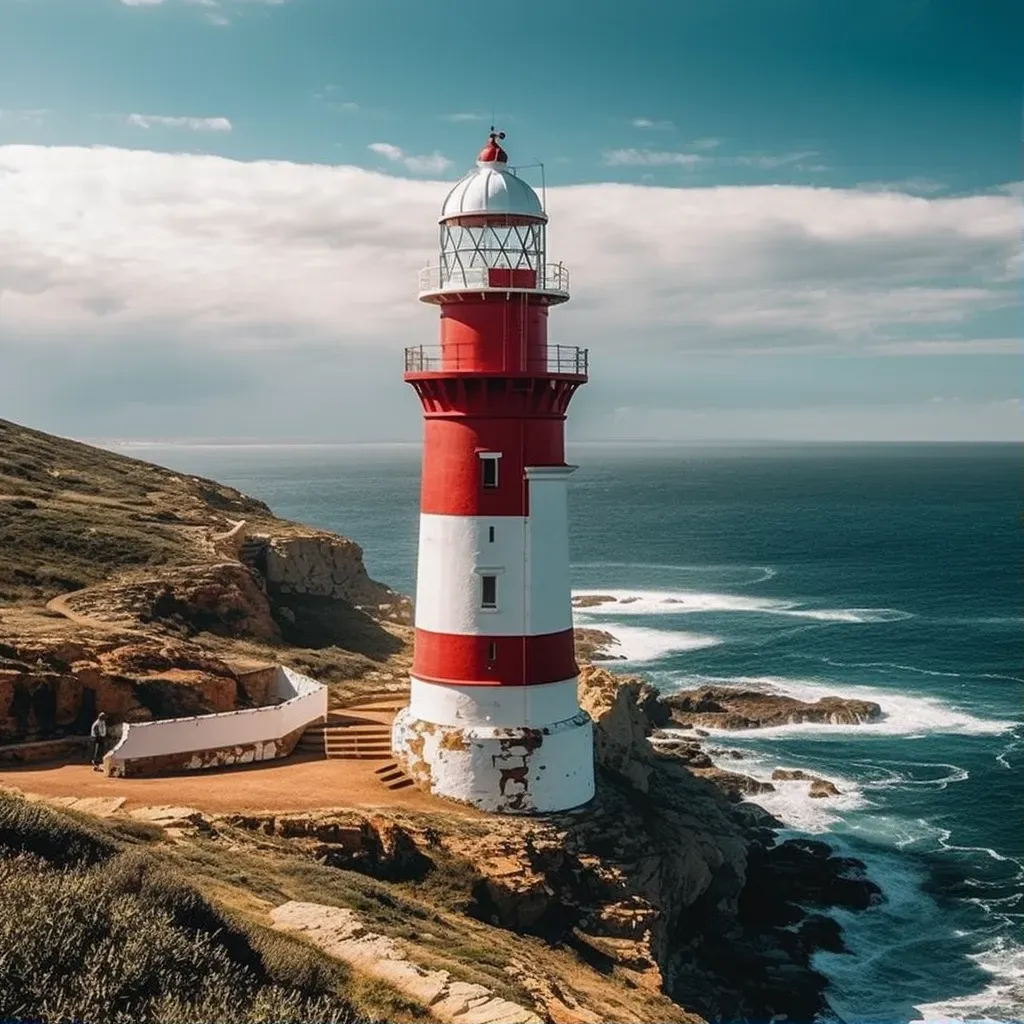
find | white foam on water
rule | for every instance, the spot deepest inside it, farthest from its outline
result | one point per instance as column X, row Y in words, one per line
column 636, row 643
column 999, row 1002
column 902, row 714
column 889, row 666
column 683, row 602
column 764, row 572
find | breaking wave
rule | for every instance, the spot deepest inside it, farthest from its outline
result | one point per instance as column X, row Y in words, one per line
column 683, row 602
column 637, row 644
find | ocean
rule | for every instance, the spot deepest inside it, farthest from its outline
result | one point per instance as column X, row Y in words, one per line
column 890, row 572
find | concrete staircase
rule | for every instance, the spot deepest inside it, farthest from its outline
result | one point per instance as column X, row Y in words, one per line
column 347, row 738
column 360, row 731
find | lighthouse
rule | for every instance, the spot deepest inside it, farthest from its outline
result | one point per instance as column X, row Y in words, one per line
column 493, row 718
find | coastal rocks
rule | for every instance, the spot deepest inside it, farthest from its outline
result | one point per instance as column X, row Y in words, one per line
column 620, row 708
column 721, row 707
column 733, row 784
column 819, row 787
column 805, row 871
column 370, row 844
column 596, row 645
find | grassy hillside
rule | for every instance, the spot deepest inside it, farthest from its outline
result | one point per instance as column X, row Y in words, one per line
column 72, row 515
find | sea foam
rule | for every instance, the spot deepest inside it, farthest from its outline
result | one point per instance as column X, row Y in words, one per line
column 683, row 602
column 999, row 1002
column 639, row 644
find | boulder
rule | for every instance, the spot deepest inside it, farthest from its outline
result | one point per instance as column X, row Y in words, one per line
column 733, row 708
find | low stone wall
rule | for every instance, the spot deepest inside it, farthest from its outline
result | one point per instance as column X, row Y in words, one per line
column 44, row 750
column 213, row 741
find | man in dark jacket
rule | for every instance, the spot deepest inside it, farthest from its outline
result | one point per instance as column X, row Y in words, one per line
column 98, row 733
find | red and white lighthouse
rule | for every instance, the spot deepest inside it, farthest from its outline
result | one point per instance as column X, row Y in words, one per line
column 494, row 719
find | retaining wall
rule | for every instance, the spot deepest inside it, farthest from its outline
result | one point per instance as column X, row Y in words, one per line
column 231, row 737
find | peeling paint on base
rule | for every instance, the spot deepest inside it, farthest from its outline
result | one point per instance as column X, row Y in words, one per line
column 502, row 769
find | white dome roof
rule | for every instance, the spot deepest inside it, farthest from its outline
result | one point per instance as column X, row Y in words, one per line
column 492, row 188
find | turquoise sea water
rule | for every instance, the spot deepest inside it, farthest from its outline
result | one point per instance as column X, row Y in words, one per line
column 888, row 572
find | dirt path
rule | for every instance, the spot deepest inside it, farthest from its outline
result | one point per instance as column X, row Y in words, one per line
column 59, row 604
column 299, row 782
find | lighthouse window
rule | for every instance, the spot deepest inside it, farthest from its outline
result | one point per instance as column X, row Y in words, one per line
column 490, row 534
column 489, row 592
column 492, row 651
column 489, row 469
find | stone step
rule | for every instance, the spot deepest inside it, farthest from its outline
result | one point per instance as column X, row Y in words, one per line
column 355, row 730
column 392, row 776
column 381, row 744
column 357, row 755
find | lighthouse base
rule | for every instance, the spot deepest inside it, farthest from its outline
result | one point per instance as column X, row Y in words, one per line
column 508, row 770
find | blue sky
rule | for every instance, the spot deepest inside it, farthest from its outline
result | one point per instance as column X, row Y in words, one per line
column 818, row 236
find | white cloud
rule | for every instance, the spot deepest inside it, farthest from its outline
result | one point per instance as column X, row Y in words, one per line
column 648, row 123
column 430, row 163
column 36, row 116
column 651, row 158
column 665, row 158
column 109, row 244
column 951, row 347
column 464, row 116
column 770, row 161
column 193, row 124
column 917, row 185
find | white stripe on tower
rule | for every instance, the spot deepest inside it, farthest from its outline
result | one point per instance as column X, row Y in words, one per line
column 528, row 556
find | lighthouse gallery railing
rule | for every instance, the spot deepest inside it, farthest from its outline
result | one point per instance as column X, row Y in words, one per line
column 559, row 359
column 553, row 277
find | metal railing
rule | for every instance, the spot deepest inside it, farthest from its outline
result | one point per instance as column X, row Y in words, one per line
column 552, row 277
column 559, row 359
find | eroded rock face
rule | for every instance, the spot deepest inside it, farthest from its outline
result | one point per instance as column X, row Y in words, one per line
column 55, row 688
column 722, row 707
column 224, row 599
column 323, row 565
column 624, row 710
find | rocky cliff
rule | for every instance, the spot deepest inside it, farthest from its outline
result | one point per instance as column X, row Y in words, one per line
column 99, row 552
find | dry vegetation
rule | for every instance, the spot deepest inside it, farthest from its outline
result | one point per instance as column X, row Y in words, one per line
column 98, row 924
column 72, row 515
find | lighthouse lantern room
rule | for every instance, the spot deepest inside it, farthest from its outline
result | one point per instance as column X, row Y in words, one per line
column 493, row 718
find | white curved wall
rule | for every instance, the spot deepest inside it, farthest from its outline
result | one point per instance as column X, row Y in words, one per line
column 304, row 701
column 533, row 706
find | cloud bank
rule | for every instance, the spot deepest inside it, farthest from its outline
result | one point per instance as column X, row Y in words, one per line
column 172, row 258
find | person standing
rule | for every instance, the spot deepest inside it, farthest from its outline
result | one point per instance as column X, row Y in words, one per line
column 99, row 740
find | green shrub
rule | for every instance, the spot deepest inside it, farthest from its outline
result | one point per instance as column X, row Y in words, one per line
column 58, row 839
